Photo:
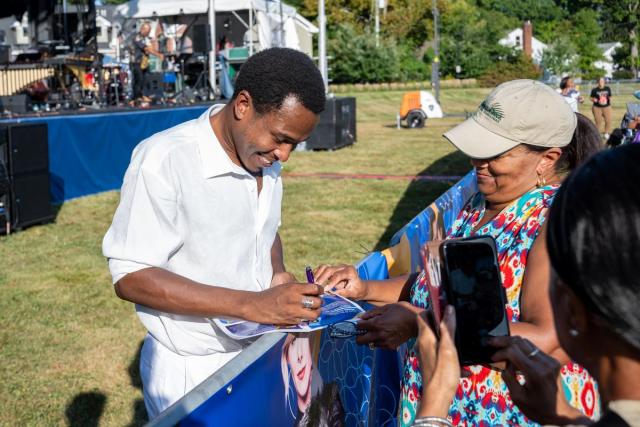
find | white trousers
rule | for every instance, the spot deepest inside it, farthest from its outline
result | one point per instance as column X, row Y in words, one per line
column 168, row 376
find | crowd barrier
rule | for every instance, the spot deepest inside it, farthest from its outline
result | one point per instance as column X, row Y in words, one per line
column 286, row 380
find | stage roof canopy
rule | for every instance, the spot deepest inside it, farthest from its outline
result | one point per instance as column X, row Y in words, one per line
column 157, row 8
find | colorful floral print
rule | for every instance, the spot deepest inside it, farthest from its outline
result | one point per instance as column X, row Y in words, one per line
column 482, row 399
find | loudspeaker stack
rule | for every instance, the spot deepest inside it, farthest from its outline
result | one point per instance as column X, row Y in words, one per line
column 337, row 126
column 24, row 176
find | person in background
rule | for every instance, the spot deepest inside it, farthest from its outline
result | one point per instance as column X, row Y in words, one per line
column 522, row 141
column 570, row 93
column 601, row 98
column 141, row 49
column 195, row 235
column 593, row 240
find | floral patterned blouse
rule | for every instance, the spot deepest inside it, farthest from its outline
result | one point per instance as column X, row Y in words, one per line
column 482, row 399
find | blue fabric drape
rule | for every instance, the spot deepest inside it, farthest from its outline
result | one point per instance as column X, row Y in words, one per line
column 89, row 153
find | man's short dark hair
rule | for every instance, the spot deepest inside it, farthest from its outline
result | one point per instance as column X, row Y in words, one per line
column 272, row 75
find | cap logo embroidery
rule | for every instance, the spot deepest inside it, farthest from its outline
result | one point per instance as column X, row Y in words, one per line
column 493, row 110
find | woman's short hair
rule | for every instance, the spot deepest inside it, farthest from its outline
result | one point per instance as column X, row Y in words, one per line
column 594, row 238
column 564, row 82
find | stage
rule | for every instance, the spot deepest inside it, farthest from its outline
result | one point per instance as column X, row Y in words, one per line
column 89, row 151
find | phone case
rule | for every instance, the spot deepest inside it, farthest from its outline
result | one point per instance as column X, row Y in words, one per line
column 468, row 359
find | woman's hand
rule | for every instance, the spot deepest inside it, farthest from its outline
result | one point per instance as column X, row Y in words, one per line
column 438, row 363
column 342, row 280
column 388, row 326
column 534, row 382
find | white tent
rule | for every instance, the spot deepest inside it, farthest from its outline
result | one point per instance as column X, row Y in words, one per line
column 297, row 31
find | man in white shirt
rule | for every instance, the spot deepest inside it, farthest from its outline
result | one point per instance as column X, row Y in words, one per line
column 195, row 235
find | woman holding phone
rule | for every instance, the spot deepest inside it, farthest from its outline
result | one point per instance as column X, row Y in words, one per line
column 593, row 238
column 522, row 141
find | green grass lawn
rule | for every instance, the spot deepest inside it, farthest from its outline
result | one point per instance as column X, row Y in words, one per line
column 69, row 346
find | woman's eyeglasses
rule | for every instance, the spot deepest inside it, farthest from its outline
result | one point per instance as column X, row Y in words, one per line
column 346, row 329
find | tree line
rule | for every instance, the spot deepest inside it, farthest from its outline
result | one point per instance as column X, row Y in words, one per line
column 470, row 31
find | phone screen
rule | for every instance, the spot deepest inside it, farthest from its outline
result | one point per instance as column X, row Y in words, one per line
column 474, row 288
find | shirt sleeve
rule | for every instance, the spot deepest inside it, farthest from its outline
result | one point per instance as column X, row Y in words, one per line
column 144, row 231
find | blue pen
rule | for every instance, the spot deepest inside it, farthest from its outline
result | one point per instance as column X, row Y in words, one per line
column 310, row 278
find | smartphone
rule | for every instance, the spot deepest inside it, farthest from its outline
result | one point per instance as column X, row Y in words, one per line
column 473, row 285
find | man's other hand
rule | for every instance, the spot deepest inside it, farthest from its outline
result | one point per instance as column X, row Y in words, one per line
column 285, row 304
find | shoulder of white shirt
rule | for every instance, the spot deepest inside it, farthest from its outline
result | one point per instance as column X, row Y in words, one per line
column 153, row 151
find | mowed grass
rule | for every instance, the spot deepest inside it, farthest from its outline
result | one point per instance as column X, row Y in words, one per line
column 69, row 347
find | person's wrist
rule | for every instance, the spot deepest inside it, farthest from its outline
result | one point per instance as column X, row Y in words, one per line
column 436, row 402
column 367, row 290
column 411, row 321
column 247, row 305
column 431, row 421
column 567, row 414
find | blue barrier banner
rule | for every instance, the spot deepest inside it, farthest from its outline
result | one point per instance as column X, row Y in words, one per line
column 314, row 379
column 89, row 153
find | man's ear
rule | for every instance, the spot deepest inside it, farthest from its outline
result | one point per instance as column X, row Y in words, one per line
column 548, row 161
column 242, row 105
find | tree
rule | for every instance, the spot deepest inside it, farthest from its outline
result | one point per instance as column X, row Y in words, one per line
column 561, row 57
column 356, row 59
column 585, row 33
column 622, row 17
column 532, row 10
column 470, row 39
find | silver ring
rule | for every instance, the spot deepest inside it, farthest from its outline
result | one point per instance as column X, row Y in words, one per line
column 307, row 302
column 533, row 353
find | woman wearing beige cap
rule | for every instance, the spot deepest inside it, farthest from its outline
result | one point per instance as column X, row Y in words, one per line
column 522, row 140
column 593, row 238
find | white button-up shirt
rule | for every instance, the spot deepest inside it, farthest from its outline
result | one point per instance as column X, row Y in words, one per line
column 187, row 208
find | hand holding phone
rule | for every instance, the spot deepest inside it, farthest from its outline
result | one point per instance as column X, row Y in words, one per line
column 471, row 282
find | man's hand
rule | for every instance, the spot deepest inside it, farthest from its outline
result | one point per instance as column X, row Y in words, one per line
column 342, row 280
column 388, row 326
column 283, row 304
column 534, row 382
column 282, row 278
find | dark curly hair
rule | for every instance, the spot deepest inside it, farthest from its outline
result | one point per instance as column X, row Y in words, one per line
column 593, row 238
column 273, row 75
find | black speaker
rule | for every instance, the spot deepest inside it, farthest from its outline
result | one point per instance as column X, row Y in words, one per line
column 17, row 104
column 5, row 53
column 337, row 126
column 153, row 85
column 24, row 154
column 5, row 188
column 200, row 38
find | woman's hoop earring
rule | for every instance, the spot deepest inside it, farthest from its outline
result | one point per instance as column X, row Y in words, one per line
column 573, row 332
column 541, row 181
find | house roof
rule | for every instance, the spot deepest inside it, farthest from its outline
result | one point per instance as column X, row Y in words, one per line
column 606, row 46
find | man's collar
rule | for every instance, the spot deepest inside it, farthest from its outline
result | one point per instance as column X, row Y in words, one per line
column 215, row 161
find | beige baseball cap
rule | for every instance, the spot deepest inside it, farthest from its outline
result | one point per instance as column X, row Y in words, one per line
column 515, row 112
